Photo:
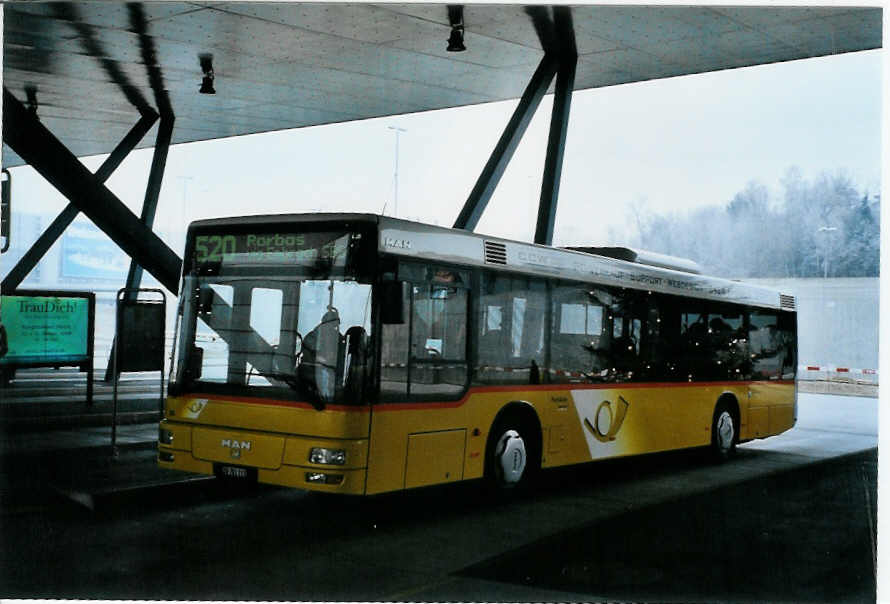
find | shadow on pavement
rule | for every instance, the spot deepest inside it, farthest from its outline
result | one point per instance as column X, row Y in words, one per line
column 804, row 535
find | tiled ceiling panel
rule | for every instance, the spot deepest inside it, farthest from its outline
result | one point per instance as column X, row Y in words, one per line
column 287, row 65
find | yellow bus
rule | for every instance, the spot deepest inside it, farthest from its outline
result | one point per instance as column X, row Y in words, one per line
column 362, row 354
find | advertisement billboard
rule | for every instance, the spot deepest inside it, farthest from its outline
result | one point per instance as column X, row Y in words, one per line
column 47, row 328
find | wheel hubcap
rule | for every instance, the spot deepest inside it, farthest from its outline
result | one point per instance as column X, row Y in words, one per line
column 725, row 431
column 511, row 457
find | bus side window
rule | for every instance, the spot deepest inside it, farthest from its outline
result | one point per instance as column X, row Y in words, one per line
column 581, row 333
column 628, row 312
column 424, row 354
column 510, row 330
column 765, row 344
column 788, row 348
column 438, row 341
column 727, row 344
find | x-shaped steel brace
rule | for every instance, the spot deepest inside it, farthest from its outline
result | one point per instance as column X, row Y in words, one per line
column 560, row 58
column 87, row 193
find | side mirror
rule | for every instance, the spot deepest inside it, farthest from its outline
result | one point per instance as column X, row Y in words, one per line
column 196, row 361
column 5, row 209
column 392, row 298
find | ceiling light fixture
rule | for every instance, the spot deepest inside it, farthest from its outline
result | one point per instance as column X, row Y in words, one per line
column 207, row 68
column 456, row 19
column 31, row 95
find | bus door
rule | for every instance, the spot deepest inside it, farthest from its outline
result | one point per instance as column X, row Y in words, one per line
column 418, row 433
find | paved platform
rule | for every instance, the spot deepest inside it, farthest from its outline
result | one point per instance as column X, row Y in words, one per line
column 80, row 464
column 46, row 399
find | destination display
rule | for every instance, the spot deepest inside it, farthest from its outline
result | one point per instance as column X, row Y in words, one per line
column 298, row 248
column 45, row 329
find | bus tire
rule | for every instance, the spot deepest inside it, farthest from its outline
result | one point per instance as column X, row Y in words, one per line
column 724, row 432
column 512, row 454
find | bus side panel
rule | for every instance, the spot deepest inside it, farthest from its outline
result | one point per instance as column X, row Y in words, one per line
column 393, row 425
column 770, row 407
column 635, row 420
column 578, row 424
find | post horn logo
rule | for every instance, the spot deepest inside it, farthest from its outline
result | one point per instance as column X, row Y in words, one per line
column 608, row 420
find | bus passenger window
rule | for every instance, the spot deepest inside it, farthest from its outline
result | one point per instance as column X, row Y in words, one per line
column 424, row 356
column 438, row 341
column 511, row 321
column 727, row 345
column 787, row 345
column 765, row 345
column 581, row 334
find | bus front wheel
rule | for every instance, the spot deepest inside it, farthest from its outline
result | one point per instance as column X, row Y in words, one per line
column 724, row 433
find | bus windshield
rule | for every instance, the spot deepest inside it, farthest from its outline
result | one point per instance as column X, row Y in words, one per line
column 273, row 315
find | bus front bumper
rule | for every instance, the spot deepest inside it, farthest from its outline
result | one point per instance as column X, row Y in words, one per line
column 266, row 458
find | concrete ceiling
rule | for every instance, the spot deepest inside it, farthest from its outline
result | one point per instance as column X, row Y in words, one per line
column 282, row 65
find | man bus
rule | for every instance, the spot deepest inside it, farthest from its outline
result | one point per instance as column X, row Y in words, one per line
column 362, row 354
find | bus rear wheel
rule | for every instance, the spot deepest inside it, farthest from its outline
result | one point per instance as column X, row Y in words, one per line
column 510, row 458
column 724, row 433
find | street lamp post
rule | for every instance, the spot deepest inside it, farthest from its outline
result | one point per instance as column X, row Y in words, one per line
column 395, row 176
column 826, row 230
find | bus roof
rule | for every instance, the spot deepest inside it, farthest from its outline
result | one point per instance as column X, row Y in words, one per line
column 429, row 242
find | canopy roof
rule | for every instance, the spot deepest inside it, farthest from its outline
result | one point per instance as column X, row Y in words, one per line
column 90, row 66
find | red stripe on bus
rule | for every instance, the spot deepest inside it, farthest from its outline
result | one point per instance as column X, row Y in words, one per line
column 274, row 402
column 479, row 390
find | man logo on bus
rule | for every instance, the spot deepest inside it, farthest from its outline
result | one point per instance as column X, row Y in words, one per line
column 236, row 446
column 608, row 420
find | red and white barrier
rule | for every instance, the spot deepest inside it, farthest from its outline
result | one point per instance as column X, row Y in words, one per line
column 834, row 372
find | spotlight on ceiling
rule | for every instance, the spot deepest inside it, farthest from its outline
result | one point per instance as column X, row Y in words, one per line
column 31, row 95
column 206, row 67
column 456, row 19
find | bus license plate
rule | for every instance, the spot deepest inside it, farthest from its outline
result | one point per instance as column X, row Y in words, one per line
column 236, row 472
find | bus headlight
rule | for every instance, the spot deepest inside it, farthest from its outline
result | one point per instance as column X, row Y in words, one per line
column 321, row 455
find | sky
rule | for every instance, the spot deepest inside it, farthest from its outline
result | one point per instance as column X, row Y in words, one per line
column 671, row 145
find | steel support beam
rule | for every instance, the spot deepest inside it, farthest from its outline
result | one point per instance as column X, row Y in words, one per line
column 558, row 37
column 40, row 247
column 153, row 189
column 559, row 122
column 46, row 154
column 503, row 151
column 149, row 208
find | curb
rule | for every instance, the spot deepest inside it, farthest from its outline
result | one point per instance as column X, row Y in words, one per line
column 90, row 450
